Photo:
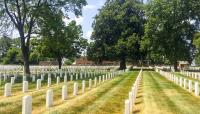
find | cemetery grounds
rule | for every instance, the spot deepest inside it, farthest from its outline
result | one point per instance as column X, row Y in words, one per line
column 106, row 91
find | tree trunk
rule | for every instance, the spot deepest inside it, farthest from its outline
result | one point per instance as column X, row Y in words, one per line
column 60, row 63
column 122, row 62
column 25, row 54
column 175, row 66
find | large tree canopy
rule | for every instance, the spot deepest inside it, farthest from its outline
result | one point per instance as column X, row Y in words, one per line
column 118, row 29
column 23, row 15
column 170, row 28
column 58, row 40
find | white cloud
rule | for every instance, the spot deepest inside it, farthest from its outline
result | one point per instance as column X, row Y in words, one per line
column 88, row 34
column 79, row 20
column 89, row 7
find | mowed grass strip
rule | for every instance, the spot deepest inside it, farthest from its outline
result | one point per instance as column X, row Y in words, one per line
column 161, row 96
column 106, row 99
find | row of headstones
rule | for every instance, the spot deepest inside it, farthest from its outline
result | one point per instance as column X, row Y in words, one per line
column 61, row 72
column 8, row 86
column 42, row 70
column 182, row 82
column 16, row 69
column 195, row 75
column 85, row 74
column 72, row 69
column 129, row 103
column 27, row 100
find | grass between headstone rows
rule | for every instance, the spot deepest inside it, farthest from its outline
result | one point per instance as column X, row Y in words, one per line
column 12, row 105
column 157, row 95
column 106, row 99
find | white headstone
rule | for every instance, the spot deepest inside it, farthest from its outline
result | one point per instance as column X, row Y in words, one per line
column 27, row 105
column 83, row 86
column 64, row 92
column 90, row 83
column 24, row 78
column 196, row 88
column 99, row 79
column 49, row 98
column 190, row 85
column 180, row 81
column 49, row 82
column 7, row 90
column 95, row 81
column 5, row 77
column 65, row 79
column 76, row 76
column 58, row 80
column 75, row 89
column 38, row 84
column 185, row 83
column 131, row 101
column 33, row 78
column 25, row 86
column 133, row 93
column 42, row 77
column 127, row 107
column 12, row 80
column 71, row 77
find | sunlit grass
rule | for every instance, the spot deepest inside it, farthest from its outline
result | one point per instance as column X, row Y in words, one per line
column 160, row 96
column 106, row 98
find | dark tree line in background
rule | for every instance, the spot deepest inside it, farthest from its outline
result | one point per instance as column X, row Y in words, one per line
column 160, row 31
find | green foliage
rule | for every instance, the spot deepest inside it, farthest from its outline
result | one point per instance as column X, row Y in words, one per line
column 13, row 56
column 58, row 40
column 169, row 29
column 5, row 44
column 117, row 22
column 196, row 43
column 69, row 61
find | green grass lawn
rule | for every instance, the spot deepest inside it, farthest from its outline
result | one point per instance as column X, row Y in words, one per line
column 107, row 98
column 157, row 95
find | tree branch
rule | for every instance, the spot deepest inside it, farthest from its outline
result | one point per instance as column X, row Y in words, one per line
column 9, row 14
column 19, row 12
column 24, row 16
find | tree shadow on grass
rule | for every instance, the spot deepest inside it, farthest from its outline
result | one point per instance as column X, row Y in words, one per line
column 139, row 100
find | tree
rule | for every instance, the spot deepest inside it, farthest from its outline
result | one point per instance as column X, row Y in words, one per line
column 96, row 52
column 62, row 41
column 196, row 43
column 169, row 29
column 5, row 44
column 23, row 16
column 117, row 22
column 13, row 56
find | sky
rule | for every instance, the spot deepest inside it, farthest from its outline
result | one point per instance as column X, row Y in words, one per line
column 86, row 20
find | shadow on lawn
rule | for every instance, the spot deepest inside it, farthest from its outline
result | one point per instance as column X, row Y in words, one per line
column 139, row 100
